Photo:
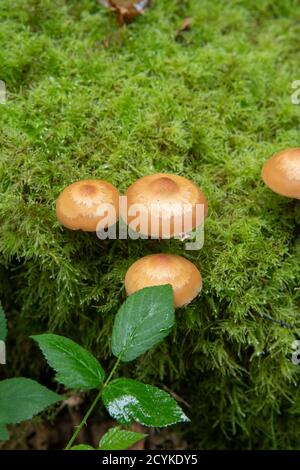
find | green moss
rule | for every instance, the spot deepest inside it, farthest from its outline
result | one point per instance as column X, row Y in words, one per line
column 88, row 99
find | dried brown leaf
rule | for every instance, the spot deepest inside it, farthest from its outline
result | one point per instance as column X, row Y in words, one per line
column 126, row 10
column 186, row 24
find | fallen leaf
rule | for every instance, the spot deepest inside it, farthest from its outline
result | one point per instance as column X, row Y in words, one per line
column 185, row 26
column 75, row 400
column 126, row 10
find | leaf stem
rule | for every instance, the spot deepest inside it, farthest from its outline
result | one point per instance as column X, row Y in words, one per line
column 89, row 411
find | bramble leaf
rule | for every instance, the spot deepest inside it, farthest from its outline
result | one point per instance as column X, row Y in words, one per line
column 82, row 447
column 22, row 399
column 128, row 400
column 143, row 321
column 119, row 439
column 75, row 367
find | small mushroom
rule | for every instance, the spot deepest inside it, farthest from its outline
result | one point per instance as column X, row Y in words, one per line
column 159, row 269
column 81, row 205
column 281, row 173
column 166, row 202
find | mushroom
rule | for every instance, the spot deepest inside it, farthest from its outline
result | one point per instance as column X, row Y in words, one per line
column 169, row 205
column 281, row 173
column 159, row 269
column 81, row 206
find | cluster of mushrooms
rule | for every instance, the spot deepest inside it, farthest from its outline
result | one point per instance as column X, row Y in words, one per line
column 77, row 209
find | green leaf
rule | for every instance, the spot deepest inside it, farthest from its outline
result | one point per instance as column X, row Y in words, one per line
column 143, row 321
column 75, row 366
column 118, row 439
column 82, row 447
column 4, row 436
column 22, row 398
column 3, row 326
column 127, row 401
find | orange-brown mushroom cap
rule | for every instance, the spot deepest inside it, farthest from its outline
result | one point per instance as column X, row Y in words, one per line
column 160, row 269
column 81, row 206
column 282, row 173
column 166, row 202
